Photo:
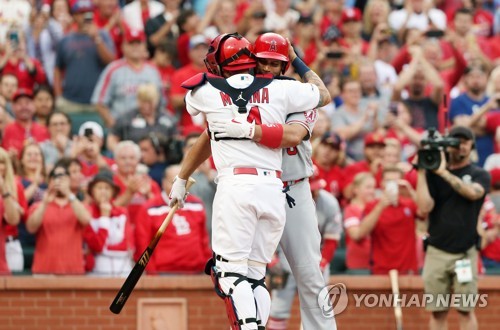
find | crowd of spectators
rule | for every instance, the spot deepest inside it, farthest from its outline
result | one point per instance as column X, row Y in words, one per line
column 93, row 122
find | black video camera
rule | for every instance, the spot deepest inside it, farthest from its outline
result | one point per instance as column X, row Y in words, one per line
column 429, row 157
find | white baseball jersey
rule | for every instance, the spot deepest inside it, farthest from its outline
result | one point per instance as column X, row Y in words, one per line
column 297, row 163
column 269, row 105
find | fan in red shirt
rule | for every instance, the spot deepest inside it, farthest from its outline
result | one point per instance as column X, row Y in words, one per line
column 490, row 253
column 23, row 128
column 399, row 120
column 58, row 221
column 358, row 248
column 198, row 47
column 351, row 26
column 490, row 226
column 136, row 187
column 163, row 58
column 11, row 197
column 184, row 246
column 390, row 222
column 107, row 16
column 15, row 61
column 374, row 150
column 109, row 235
column 326, row 157
column 305, row 42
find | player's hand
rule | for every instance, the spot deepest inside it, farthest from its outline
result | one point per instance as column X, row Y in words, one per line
column 232, row 129
column 178, row 193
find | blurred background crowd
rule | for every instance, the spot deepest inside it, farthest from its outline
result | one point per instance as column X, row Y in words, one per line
column 92, row 119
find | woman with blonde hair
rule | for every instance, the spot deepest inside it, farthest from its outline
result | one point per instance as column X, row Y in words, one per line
column 358, row 248
column 12, row 208
column 32, row 172
column 376, row 12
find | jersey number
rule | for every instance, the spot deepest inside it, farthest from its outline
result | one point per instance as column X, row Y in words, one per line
column 254, row 115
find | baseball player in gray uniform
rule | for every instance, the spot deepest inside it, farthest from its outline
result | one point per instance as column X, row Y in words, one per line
column 329, row 223
column 274, row 55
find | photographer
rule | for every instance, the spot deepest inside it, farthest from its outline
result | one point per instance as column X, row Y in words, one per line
column 452, row 195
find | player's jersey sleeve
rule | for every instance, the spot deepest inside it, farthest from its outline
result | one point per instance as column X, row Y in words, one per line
column 300, row 96
column 307, row 119
column 194, row 101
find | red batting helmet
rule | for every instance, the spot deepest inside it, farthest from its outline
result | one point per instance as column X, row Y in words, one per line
column 272, row 46
column 230, row 52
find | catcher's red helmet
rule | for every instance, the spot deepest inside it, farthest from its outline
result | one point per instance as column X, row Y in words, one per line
column 272, row 46
column 230, row 52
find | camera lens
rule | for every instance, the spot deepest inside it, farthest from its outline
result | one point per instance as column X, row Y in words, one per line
column 429, row 159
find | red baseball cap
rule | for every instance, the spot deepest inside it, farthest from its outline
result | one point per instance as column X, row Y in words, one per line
column 350, row 15
column 134, row 35
column 495, row 177
column 22, row 92
column 374, row 138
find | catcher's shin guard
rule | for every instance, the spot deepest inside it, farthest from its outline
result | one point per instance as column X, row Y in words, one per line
column 256, row 278
column 236, row 322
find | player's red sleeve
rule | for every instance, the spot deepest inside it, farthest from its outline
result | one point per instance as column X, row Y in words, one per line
column 328, row 251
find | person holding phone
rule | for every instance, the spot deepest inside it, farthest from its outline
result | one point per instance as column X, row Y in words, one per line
column 42, row 36
column 16, row 61
column 58, row 222
column 390, row 222
column 87, row 149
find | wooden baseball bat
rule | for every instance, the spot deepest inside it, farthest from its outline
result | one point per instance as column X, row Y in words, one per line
column 398, row 312
column 136, row 272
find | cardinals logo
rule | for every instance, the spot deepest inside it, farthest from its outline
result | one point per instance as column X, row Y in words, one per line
column 272, row 46
column 332, row 299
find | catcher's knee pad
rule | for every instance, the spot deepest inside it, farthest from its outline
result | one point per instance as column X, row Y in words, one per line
column 229, row 285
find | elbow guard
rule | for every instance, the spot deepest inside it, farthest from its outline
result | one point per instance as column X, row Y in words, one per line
column 272, row 134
